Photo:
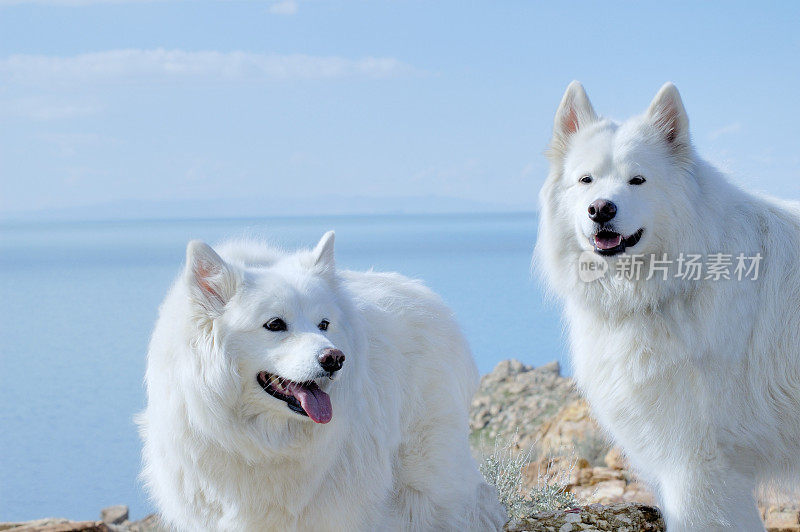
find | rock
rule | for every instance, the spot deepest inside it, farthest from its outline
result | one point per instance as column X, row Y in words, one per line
column 573, row 430
column 514, row 400
column 527, row 405
column 615, row 459
column 619, row 517
column 38, row 522
column 151, row 523
column 60, row 525
column 114, row 515
column 781, row 517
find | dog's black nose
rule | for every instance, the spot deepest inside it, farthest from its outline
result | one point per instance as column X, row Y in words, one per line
column 602, row 210
column 331, row 359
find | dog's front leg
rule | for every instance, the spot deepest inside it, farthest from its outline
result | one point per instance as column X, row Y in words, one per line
column 706, row 497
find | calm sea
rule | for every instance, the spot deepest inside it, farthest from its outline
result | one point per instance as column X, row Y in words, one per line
column 78, row 301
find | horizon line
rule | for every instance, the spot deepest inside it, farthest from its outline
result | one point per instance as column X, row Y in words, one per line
column 159, row 219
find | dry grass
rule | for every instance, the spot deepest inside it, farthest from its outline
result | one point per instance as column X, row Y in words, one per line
column 506, row 469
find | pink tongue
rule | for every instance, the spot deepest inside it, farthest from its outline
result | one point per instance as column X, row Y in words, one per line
column 314, row 401
column 606, row 242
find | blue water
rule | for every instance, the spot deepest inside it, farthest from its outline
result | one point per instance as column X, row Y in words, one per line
column 78, row 301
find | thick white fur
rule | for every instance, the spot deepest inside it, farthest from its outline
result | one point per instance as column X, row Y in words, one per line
column 221, row 454
column 699, row 381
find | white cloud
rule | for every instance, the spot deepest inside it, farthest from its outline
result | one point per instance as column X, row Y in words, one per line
column 283, row 7
column 133, row 65
column 725, row 130
column 45, row 110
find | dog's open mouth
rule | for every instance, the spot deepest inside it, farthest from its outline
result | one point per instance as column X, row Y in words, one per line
column 610, row 243
column 305, row 398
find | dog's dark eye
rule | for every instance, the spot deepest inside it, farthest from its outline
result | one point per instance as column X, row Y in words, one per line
column 275, row 324
column 323, row 325
column 638, row 180
column 586, row 179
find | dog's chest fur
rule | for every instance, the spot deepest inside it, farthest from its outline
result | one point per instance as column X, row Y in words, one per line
column 309, row 485
column 646, row 380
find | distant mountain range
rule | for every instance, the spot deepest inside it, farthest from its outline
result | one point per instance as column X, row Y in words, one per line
column 250, row 207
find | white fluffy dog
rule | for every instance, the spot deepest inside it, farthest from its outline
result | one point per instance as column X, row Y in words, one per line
column 694, row 372
column 286, row 395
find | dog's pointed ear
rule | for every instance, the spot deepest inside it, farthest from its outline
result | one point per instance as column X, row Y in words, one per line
column 668, row 115
column 574, row 113
column 212, row 282
column 323, row 252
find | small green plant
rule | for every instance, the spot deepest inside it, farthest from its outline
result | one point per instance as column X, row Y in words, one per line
column 505, row 470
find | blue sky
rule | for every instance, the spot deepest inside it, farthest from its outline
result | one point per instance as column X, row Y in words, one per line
column 204, row 108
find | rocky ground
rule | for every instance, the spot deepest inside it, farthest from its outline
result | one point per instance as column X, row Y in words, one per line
column 514, row 401
column 112, row 519
column 626, row 517
column 536, row 411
